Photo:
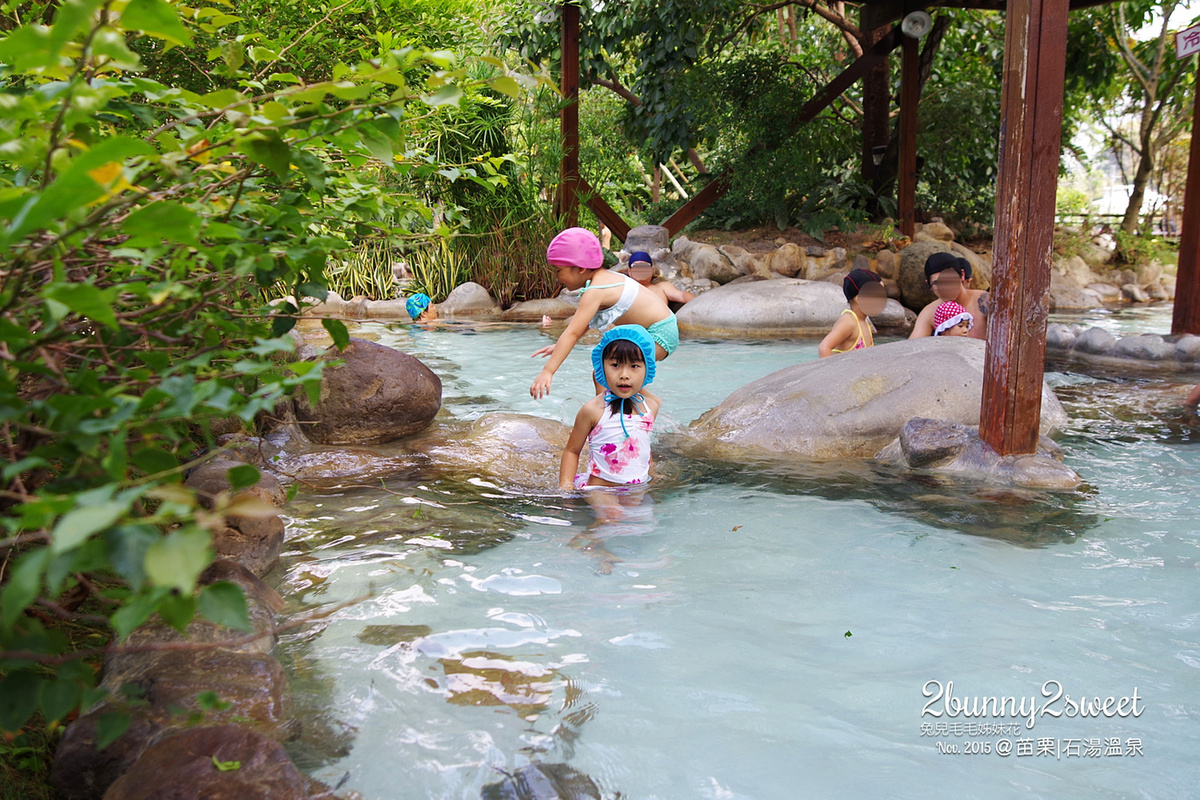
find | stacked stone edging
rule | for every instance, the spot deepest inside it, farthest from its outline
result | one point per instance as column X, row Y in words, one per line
column 1143, row 350
column 169, row 747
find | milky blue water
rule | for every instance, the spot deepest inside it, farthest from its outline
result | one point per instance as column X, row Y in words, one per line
column 761, row 634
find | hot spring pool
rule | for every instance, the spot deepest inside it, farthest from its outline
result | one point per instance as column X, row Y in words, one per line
column 763, row 634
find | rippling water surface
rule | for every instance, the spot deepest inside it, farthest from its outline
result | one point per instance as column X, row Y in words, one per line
column 762, row 633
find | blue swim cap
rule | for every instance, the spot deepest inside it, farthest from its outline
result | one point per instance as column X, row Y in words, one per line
column 417, row 304
column 634, row 333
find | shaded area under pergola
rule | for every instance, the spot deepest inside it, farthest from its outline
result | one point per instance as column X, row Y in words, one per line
column 1030, row 143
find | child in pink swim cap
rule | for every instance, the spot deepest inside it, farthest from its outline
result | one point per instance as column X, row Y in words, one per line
column 608, row 299
column 951, row 319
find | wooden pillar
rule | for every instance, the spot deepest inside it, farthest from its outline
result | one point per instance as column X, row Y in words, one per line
column 568, row 183
column 1030, row 142
column 876, row 104
column 1186, row 317
column 906, row 177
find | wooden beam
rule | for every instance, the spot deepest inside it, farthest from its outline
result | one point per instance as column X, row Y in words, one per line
column 1186, row 316
column 603, row 211
column 1035, row 48
column 568, row 178
column 910, row 98
column 818, row 103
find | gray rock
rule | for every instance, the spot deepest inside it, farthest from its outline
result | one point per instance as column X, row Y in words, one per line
column 914, row 289
column 1072, row 271
column 1149, row 273
column 1074, row 298
column 1146, row 347
column 1168, row 283
column 1108, row 293
column 1059, row 337
column 814, row 251
column 886, row 264
column 709, row 263
column 1156, row 291
column 1187, row 347
column 947, row 448
column 387, row 309
column 784, row 307
column 1134, row 293
column 468, row 300
column 682, row 248
column 511, row 449
column 981, row 266
column 377, row 395
column 648, row 238
column 541, row 781
column 937, row 231
column 850, row 405
column 928, row 442
column 1096, row 341
column 534, row 310
column 789, row 260
column 746, row 262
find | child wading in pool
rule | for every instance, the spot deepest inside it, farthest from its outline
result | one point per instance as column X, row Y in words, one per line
column 867, row 297
column 608, row 299
column 617, row 424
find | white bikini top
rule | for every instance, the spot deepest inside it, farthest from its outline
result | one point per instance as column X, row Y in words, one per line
column 607, row 317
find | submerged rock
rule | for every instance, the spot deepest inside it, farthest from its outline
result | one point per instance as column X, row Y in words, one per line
column 543, row 782
column 510, row 449
column 376, row 395
column 952, row 448
column 851, row 405
column 783, row 307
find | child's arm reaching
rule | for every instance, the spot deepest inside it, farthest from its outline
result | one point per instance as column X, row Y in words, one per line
column 589, row 304
column 585, row 420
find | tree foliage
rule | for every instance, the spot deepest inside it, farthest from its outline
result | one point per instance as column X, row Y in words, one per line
column 148, row 210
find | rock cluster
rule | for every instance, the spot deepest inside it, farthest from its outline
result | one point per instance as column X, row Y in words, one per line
column 1099, row 346
column 176, row 740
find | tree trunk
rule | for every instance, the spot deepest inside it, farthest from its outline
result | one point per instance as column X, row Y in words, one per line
column 1141, row 178
column 876, row 105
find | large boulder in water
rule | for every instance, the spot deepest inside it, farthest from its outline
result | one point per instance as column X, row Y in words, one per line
column 377, row 395
column 851, row 405
column 784, row 307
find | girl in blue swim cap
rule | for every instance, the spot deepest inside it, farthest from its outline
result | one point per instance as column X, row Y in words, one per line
column 618, row 423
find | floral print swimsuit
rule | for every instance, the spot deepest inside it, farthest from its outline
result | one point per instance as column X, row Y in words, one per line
column 620, row 448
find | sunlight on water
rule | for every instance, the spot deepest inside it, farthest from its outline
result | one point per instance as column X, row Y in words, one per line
column 761, row 634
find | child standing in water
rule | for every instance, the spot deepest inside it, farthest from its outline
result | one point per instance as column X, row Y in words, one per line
column 608, row 299
column 617, row 424
column 951, row 319
column 867, row 297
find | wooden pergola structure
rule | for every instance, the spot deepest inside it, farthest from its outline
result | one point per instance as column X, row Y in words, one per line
column 1030, row 143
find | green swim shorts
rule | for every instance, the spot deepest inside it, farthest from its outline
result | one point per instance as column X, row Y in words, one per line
column 666, row 333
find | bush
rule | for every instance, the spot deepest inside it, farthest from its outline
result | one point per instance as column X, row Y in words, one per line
column 143, row 224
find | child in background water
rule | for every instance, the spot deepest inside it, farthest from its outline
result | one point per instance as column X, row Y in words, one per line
column 608, row 299
column 617, row 424
column 867, row 297
column 951, row 319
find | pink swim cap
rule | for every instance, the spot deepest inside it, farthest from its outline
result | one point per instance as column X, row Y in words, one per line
column 575, row 247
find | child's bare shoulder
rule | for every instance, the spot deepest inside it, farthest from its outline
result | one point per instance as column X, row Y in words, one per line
column 592, row 410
